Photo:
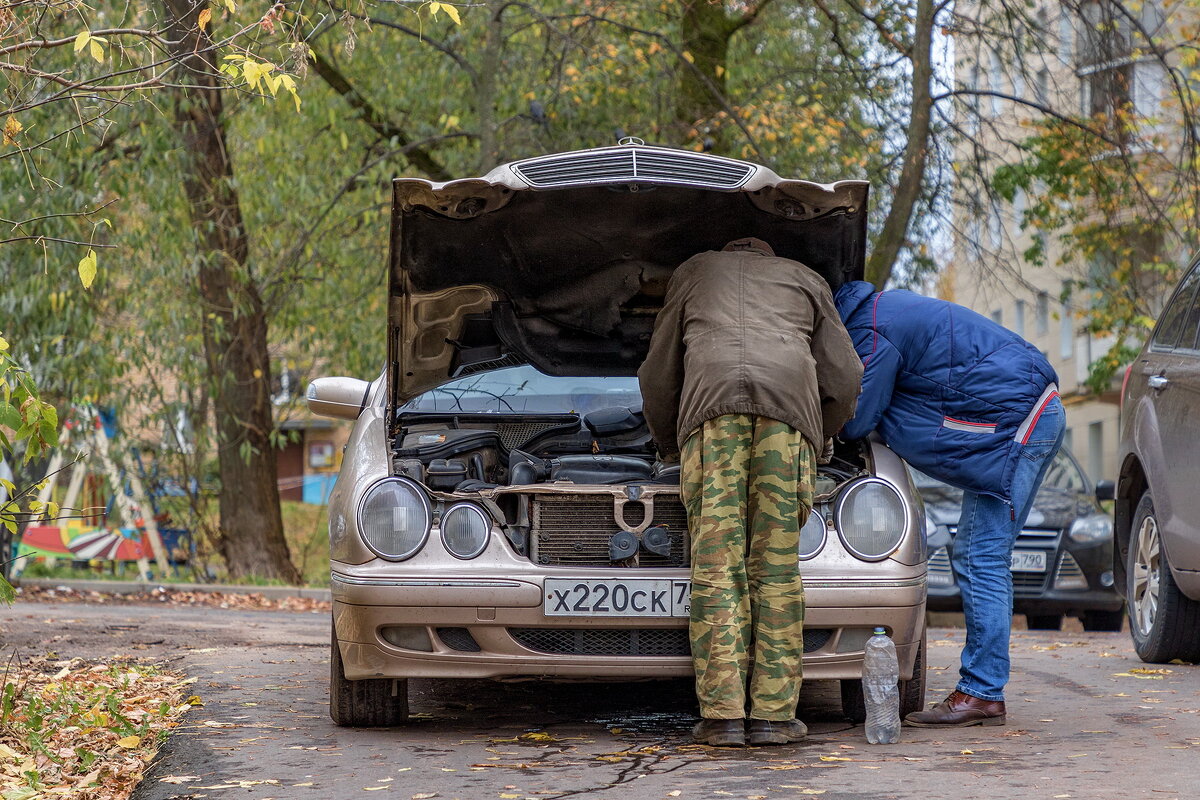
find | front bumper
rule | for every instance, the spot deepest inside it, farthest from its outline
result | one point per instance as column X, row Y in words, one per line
column 482, row 627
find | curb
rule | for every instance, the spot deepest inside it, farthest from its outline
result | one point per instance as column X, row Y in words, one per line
column 137, row 587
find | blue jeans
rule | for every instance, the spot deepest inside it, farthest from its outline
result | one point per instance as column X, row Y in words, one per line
column 983, row 545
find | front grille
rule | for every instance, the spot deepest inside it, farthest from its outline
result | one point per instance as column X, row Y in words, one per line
column 575, row 529
column 816, row 638
column 459, row 639
column 1029, row 581
column 624, row 165
column 1069, row 575
column 939, row 562
column 604, row 641
column 627, row 642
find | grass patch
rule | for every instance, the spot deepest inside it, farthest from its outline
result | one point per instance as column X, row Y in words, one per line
column 74, row 729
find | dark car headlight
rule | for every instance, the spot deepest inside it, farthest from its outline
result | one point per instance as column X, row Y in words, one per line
column 871, row 519
column 812, row 535
column 394, row 518
column 465, row 530
column 1092, row 528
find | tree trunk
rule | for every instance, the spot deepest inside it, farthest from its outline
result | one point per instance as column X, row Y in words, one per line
column 233, row 317
column 704, row 37
column 485, row 89
column 916, row 152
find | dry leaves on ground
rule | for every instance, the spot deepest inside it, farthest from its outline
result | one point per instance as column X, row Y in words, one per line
column 83, row 730
column 164, row 595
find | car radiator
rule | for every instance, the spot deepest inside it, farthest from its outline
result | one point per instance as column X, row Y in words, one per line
column 575, row 529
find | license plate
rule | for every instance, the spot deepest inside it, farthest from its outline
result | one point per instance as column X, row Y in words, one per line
column 1028, row 561
column 617, row 597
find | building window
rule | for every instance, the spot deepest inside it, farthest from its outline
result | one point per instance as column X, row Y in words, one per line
column 1113, row 76
column 1069, row 439
column 1019, row 319
column 1096, row 450
column 1066, row 337
column 1042, row 315
column 1042, row 87
column 1066, row 35
column 998, row 316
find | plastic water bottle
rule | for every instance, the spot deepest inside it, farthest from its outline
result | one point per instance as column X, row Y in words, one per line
column 881, row 674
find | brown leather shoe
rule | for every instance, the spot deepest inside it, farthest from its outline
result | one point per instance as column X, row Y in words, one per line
column 959, row 710
column 766, row 732
column 720, row 732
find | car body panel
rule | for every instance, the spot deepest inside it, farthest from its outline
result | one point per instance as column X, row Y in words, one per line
column 1158, row 450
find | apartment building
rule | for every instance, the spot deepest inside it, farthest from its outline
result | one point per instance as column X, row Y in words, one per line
column 1077, row 58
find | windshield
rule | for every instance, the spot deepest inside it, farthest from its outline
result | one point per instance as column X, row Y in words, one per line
column 524, row 390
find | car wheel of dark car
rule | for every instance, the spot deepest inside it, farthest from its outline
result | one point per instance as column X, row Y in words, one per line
column 373, row 703
column 1103, row 621
column 1044, row 622
column 912, row 691
column 1163, row 622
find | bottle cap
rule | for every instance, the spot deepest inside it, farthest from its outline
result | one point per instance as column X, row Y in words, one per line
column 880, row 629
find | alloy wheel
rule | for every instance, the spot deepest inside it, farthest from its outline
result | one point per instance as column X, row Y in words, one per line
column 1146, row 574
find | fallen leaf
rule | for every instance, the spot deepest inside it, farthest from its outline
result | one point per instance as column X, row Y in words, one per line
column 424, row 795
column 179, row 778
column 967, row 752
column 675, row 793
column 129, row 742
column 834, row 758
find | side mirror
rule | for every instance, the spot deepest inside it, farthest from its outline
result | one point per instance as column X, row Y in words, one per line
column 344, row 398
column 1106, row 490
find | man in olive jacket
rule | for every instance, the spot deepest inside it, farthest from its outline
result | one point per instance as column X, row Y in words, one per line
column 750, row 371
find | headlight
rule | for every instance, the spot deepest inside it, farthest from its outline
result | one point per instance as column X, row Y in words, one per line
column 812, row 535
column 394, row 518
column 465, row 530
column 1094, row 528
column 871, row 519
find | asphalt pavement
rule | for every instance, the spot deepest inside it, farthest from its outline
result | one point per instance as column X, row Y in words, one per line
column 1086, row 720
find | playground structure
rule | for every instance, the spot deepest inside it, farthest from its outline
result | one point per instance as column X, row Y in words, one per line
column 128, row 528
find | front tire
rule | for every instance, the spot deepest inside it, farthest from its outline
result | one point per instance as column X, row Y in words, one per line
column 1163, row 622
column 372, row 703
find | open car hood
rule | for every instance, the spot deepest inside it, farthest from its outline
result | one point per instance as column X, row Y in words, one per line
column 562, row 261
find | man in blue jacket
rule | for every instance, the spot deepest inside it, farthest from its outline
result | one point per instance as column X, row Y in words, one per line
column 972, row 404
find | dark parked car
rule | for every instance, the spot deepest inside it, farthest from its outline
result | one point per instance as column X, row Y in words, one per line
column 1157, row 513
column 1062, row 562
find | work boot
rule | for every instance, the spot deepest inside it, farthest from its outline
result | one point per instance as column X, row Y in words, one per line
column 766, row 731
column 720, row 732
column 959, row 710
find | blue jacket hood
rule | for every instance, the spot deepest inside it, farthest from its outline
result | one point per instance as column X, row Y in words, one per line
column 851, row 296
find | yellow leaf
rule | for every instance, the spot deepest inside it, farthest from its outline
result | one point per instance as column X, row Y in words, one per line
column 81, row 40
column 12, row 127
column 204, row 18
column 452, row 12
column 229, row 5
column 129, row 742
column 87, row 269
column 96, row 50
column 3, row 347
column 688, row 57
column 6, row 751
column 833, row 758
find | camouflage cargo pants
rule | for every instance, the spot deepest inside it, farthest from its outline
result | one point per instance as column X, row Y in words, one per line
column 747, row 485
